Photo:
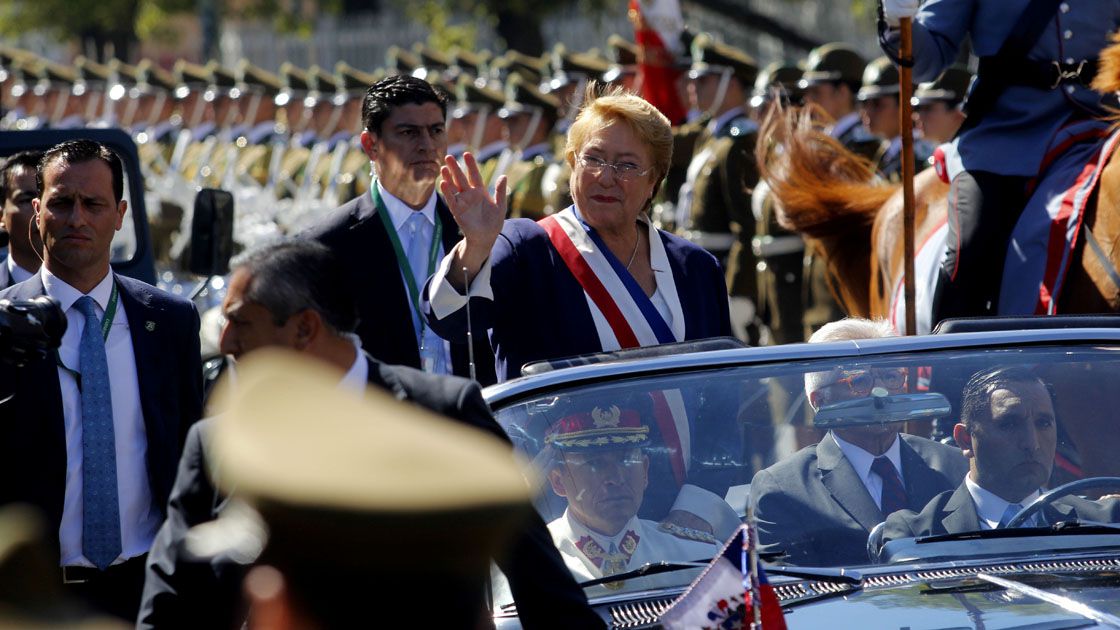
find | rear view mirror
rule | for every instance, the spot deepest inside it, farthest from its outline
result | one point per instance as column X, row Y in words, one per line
column 211, row 232
column 874, row 409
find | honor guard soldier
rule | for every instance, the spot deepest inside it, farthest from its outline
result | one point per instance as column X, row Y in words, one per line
column 879, row 111
column 120, row 109
column 714, row 208
column 90, row 85
column 23, row 111
column 401, row 61
column 259, row 89
column 779, row 252
column 470, row 63
column 476, row 115
column 940, row 104
column 63, row 108
column 571, row 72
column 155, row 111
column 832, row 78
column 345, row 519
column 529, row 116
column 433, row 63
column 353, row 176
column 198, row 115
column 624, row 62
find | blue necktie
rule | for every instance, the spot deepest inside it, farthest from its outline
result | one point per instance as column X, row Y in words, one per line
column 419, row 244
column 1010, row 513
column 101, row 523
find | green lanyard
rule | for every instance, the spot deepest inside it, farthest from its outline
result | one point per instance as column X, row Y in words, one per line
column 106, row 326
column 402, row 260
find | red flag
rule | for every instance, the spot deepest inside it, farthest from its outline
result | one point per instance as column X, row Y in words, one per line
column 657, row 28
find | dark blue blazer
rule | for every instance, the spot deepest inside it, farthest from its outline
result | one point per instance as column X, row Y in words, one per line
column 539, row 311
column 169, row 372
column 356, row 235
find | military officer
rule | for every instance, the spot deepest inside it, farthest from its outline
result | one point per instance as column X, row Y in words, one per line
column 623, row 70
column 879, row 111
column 713, row 208
column 62, row 107
column 940, row 104
column 23, row 110
column 598, row 464
column 353, row 174
column 529, row 116
column 476, row 115
column 571, row 72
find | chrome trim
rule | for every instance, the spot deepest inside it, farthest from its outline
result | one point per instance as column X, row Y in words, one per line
column 528, row 385
column 1060, row 601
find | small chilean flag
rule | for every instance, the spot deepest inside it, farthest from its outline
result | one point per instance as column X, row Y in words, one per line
column 723, row 596
column 657, row 30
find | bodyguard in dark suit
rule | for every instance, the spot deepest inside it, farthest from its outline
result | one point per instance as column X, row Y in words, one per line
column 819, row 505
column 93, row 433
column 391, row 238
column 292, row 295
column 1008, row 432
column 17, row 190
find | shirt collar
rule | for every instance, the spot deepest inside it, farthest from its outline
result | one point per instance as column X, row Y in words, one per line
column 67, row 295
column 537, row 149
column 861, row 459
column 844, row 124
column 399, row 211
column 718, row 122
column 357, row 376
column 989, row 507
column 491, row 150
column 579, row 530
column 17, row 273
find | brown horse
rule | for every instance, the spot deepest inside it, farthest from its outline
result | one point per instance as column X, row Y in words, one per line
column 831, row 196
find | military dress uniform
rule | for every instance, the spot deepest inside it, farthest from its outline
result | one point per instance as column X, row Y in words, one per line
column 528, row 164
column 881, row 79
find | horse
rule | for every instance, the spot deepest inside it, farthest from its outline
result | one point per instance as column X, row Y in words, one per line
column 854, row 223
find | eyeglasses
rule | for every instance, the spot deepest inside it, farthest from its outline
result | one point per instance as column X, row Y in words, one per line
column 623, row 171
column 861, row 381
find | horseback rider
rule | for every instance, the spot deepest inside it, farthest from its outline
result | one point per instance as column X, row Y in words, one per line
column 1037, row 58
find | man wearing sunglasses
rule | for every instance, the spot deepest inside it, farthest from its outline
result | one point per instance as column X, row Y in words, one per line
column 820, row 504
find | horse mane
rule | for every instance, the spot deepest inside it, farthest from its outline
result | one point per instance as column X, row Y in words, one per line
column 1107, row 80
column 825, row 192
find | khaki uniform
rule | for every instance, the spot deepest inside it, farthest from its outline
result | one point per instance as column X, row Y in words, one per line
column 525, row 177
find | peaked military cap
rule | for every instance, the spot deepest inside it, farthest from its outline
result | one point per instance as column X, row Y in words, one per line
column 149, row 75
column 784, row 77
column 432, row 59
column 362, row 482
column 477, row 92
column 188, row 75
column 602, row 427
column 52, row 74
column 712, row 57
column 221, row 76
column 880, row 78
column 122, row 73
column 257, row 79
column 531, row 69
column 294, row 82
column 833, row 62
column 322, row 81
column 568, row 67
column 88, row 71
column 354, row 80
column 473, row 63
column 401, row 61
column 522, row 97
column 622, row 51
column 951, row 87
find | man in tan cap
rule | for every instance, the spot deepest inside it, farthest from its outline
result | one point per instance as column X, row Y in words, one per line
column 378, row 513
column 294, row 295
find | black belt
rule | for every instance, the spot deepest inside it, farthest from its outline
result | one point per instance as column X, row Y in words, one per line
column 1044, row 75
column 82, row 575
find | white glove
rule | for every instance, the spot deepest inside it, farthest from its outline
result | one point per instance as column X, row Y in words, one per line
column 894, row 10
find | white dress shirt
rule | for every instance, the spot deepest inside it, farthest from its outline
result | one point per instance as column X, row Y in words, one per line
column 139, row 517
column 356, row 378
column 15, row 272
column 717, row 123
column 861, row 461
column 989, row 507
column 399, row 213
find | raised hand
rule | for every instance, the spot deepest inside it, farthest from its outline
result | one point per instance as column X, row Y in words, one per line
column 479, row 216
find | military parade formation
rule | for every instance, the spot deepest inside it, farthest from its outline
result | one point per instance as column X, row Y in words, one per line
column 286, row 143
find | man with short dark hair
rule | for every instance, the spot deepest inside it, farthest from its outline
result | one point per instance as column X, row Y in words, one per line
column 295, row 294
column 391, row 239
column 17, row 190
column 1009, row 433
column 93, row 432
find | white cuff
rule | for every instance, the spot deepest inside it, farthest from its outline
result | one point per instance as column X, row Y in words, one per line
column 708, row 506
column 445, row 299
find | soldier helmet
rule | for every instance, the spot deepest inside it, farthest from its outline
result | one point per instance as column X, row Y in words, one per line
column 880, row 78
column 779, row 76
column 833, row 63
column 522, row 97
column 951, row 87
column 712, row 57
column 294, row 82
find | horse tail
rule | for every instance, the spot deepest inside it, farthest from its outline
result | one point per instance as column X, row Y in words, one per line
column 822, row 189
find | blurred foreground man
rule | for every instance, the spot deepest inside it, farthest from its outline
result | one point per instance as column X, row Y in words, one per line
column 1009, row 433
column 294, row 295
column 378, row 514
column 17, row 190
column 820, row 504
column 93, row 433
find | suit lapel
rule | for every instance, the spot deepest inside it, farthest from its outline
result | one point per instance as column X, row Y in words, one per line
column 960, row 512
column 142, row 319
column 844, row 484
column 922, row 481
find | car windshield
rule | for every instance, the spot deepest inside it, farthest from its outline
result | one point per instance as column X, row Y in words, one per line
column 662, row 468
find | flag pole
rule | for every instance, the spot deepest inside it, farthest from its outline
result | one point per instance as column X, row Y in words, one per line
column 906, row 115
column 755, row 592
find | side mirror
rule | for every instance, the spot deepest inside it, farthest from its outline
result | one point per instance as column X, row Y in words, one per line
column 211, row 233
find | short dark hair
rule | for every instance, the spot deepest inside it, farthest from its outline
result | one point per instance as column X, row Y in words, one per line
column 395, row 91
column 78, row 151
column 25, row 159
column 976, row 403
column 293, row 275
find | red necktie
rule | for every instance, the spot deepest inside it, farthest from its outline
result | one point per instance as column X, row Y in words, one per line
column 894, row 494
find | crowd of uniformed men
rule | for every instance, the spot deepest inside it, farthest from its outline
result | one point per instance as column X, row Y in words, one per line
column 293, row 135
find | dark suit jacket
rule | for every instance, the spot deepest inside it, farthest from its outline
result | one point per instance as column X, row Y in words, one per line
column 814, row 506
column 540, row 311
column 182, row 593
column 356, row 235
column 953, row 512
column 165, row 341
